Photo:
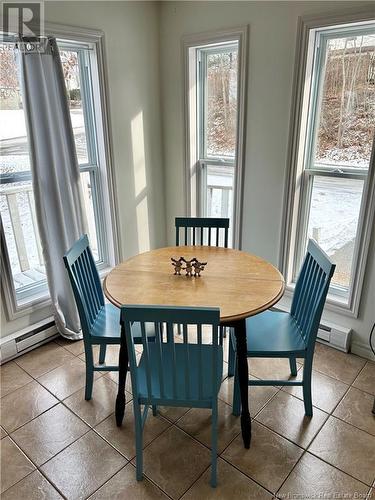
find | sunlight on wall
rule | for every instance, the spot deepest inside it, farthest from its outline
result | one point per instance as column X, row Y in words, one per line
column 139, row 162
column 142, row 226
column 140, row 182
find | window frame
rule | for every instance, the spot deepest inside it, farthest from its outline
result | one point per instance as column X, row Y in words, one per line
column 92, row 165
column 194, row 164
column 300, row 172
column 102, row 172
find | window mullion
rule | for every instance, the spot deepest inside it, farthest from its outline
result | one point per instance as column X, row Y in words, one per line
column 218, row 161
column 88, row 168
column 360, row 175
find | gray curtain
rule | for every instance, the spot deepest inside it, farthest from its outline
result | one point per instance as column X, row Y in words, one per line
column 56, row 178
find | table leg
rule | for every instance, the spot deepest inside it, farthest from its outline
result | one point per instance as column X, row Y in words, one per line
column 243, row 378
column 123, row 369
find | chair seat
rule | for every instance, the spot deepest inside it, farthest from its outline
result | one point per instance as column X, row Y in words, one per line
column 185, row 353
column 106, row 328
column 273, row 333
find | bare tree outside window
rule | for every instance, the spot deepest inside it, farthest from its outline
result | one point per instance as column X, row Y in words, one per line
column 347, row 117
column 221, row 103
column 71, row 68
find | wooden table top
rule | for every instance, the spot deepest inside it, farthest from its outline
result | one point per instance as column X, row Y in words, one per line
column 240, row 284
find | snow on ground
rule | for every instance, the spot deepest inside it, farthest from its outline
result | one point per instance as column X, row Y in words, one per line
column 334, row 211
column 334, row 157
column 12, row 122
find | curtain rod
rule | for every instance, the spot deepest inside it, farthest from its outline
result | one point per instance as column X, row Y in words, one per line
column 14, row 38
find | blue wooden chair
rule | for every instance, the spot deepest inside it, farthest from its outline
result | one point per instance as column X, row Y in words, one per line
column 210, row 231
column 275, row 334
column 186, row 374
column 202, row 231
column 100, row 322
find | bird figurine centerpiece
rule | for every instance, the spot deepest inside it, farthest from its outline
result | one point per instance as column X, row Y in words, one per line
column 193, row 267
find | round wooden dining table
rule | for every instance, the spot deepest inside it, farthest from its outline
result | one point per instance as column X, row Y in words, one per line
column 239, row 283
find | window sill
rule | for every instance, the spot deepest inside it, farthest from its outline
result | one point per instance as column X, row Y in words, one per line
column 104, row 272
column 334, row 303
column 28, row 306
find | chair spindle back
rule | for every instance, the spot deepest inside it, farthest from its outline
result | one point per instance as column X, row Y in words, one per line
column 177, row 369
column 207, row 231
column 311, row 291
column 85, row 282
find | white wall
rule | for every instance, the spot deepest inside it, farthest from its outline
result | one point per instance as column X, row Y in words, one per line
column 272, row 43
column 132, row 50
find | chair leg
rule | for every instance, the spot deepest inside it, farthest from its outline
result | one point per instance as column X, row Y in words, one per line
column 154, row 410
column 231, row 358
column 102, row 352
column 307, row 399
column 293, row 366
column 89, row 372
column 138, row 440
column 214, row 446
column 236, row 410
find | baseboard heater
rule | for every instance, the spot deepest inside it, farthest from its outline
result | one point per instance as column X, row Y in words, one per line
column 335, row 336
column 25, row 340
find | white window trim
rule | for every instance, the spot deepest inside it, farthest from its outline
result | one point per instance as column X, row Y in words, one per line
column 14, row 309
column 292, row 193
column 191, row 157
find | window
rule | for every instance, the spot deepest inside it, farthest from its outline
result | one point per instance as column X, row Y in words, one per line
column 76, row 63
column 16, row 193
column 22, row 259
column 217, row 119
column 333, row 175
column 215, row 108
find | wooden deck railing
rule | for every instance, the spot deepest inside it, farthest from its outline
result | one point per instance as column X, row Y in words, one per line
column 12, row 199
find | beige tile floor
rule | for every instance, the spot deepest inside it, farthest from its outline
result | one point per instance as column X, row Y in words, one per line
column 54, row 444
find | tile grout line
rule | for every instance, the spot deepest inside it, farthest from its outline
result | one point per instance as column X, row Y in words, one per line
column 195, row 482
column 362, row 369
column 154, row 483
column 337, row 468
column 122, row 468
column 48, row 371
column 290, row 472
column 37, row 468
column 34, row 418
column 246, row 475
column 134, row 456
column 189, row 436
